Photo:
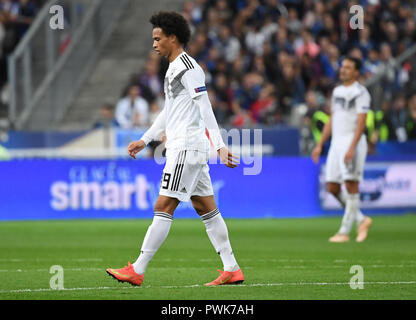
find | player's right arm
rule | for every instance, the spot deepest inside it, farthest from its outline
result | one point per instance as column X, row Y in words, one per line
column 326, row 134
column 154, row 132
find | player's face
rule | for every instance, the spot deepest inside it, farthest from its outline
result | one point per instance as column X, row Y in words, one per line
column 161, row 43
column 348, row 71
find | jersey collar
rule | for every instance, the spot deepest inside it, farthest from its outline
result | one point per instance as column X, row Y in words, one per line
column 176, row 66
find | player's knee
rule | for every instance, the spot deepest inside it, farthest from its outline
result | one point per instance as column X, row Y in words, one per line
column 352, row 187
column 333, row 188
column 164, row 205
column 199, row 208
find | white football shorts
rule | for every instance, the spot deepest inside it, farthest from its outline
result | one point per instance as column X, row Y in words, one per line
column 336, row 169
column 186, row 174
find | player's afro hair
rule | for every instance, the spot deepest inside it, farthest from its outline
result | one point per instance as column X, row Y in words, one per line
column 172, row 23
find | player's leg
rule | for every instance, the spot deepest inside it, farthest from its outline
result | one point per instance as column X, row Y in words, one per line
column 352, row 175
column 334, row 188
column 351, row 207
column 334, row 180
column 217, row 231
column 157, row 232
column 336, row 191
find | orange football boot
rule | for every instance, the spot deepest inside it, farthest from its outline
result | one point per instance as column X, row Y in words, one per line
column 227, row 277
column 126, row 274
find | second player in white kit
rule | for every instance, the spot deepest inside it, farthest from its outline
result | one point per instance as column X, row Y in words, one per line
column 346, row 104
column 350, row 103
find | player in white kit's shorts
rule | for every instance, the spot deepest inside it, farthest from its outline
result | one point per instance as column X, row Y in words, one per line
column 350, row 103
column 337, row 170
column 186, row 174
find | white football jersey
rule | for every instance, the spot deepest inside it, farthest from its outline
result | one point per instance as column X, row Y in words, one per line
column 346, row 104
column 185, row 128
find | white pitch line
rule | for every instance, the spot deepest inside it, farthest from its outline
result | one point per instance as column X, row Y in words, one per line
column 53, row 259
column 282, row 284
column 337, row 261
column 47, row 270
column 277, row 266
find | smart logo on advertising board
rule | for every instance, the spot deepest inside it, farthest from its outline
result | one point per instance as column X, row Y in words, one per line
column 109, row 187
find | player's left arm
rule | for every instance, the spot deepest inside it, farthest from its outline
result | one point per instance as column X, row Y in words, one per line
column 211, row 124
column 362, row 106
column 194, row 82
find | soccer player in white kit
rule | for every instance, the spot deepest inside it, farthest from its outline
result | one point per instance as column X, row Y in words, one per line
column 186, row 116
column 350, row 103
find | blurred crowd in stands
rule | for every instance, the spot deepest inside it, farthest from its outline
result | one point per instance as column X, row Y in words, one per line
column 16, row 16
column 271, row 62
column 275, row 62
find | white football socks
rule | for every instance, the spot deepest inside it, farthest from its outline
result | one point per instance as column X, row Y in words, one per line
column 218, row 235
column 156, row 234
column 359, row 218
column 351, row 210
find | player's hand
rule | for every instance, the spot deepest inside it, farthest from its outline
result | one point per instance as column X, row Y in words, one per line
column 349, row 156
column 316, row 153
column 227, row 158
column 135, row 147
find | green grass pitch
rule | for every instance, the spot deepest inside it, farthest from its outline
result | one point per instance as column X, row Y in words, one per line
column 281, row 259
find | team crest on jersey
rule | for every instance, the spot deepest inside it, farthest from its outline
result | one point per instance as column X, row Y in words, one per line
column 200, row 89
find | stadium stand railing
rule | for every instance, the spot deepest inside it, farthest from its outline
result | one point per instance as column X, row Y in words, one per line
column 49, row 66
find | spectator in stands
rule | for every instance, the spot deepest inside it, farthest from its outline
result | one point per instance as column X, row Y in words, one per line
column 306, row 45
column 150, row 79
column 296, row 46
column 223, row 11
column 255, row 40
column 294, row 25
column 25, row 17
column 371, row 65
column 221, row 96
column 365, row 43
column 16, row 16
column 227, row 45
column 245, row 96
column 316, row 115
column 265, row 106
column 132, row 112
column 310, row 71
column 395, row 119
column 154, row 111
column 291, row 88
column 386, row 62
column 281, row 42
column 107, row 119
